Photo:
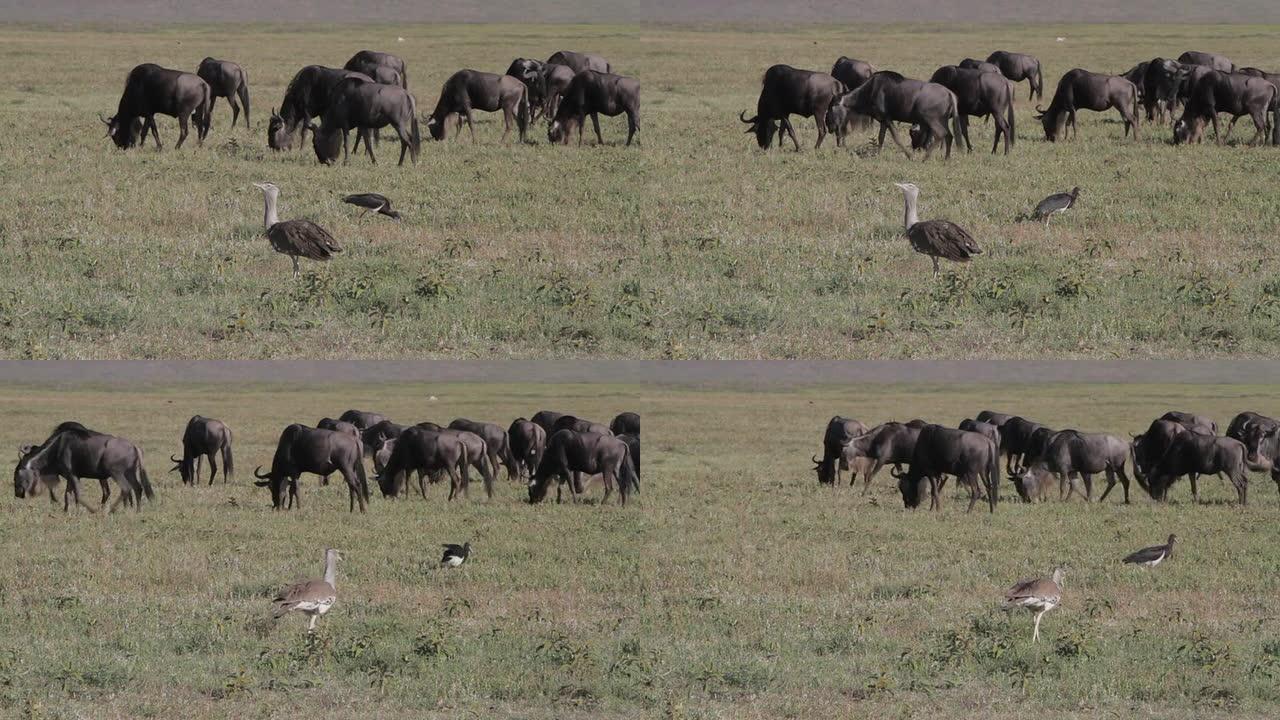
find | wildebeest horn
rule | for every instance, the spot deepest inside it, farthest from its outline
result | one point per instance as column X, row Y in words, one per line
column 816, row 461
column 104, row 120
column 174, row 458
column 259, row 475
column 897, row 474
column 743, row 117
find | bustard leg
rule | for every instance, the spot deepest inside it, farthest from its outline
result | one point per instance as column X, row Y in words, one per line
column 312, row 626
column 1035, row 634
column 294, row 258
column 935, row 266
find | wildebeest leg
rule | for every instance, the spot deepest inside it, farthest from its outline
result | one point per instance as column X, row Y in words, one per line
column 866, row 479
column 935, row 493
column 155, row 133
column 791, row 132
column 1195, row 487
column 595, row 125
column 893, row 133
column 972, row 482
column 820, row 119
column 1111, row 482
column 422, row 482
column 213, row 467
column 964, row 133
column 1260, row 125
column 470, row 126
column 346, row 159
column 507, row 117
column 368, row 146
column 354, row 494
column 1088, row 486
column 607, row 477
column 73, row 485
column 126, row 492
column 183, row 122
column 633, row 125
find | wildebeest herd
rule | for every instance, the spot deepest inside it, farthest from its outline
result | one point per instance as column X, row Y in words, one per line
column 1175, row 445
column 370, row 92
column 549, row 448
column 855, row 92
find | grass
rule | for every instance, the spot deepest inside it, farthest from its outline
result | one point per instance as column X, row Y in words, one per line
column 734, row 587
column 693, row 245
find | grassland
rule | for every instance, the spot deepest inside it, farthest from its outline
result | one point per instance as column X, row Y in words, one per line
column 695, row 244
column 734, row 588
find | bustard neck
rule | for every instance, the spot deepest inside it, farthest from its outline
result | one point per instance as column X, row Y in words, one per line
column 909, row 214
column 331, row 570
column 269, row 216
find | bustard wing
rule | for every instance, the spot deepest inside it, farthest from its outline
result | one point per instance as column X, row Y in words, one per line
column 303, row 238
column 944, row 239
column 1146, row 555
column 1059, row 201
column 304, row 594
column 1038, row 589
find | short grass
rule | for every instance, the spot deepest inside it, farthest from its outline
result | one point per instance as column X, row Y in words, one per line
column 694, row 244
column 734, row 588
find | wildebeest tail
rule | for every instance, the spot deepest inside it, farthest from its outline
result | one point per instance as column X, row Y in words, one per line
column 142, row 481
column 1013, row 132
column 415, row 134
column 228, row 463
column 955, row 115
column 1039, row 81
column 362, row 477
column 993, row 480
column 404, row 77
column 523, row 113
column 243, row 92
column 628, row 474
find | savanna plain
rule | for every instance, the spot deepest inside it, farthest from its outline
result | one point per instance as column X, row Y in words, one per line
column 732, row 587
column 693, row 244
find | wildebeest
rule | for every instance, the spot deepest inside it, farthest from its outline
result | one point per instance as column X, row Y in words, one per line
column 786, row 91
column 570, row 454
column 364, row 107
column 345, row 428
column 577, row 424
column 1018, row 67
column 972, row 458
column 1252, row 428
column 151, row 90
column 1213, row 60
column 891, row 443
column 226, row 79
column 1159, row 84
column 1072, row 453
column 426, row 452
column 1015, row 439
column 595, row 93
column 626, row 423
column 980, row 94
column 528, row 441
column 477, row 454
column 889, row 97
column 497, row 443
column 362, row 419
column 852, row 72
column 369, row 62
column 546, row 83
column 204, row 438
column 1033, row 487
column 1083, row 90
column 578, row 62
column 306, row 449
column 1232, row 93
column 1192, row 453
column 468, row 90
column 994, row 418
column 982, row 428
column 309, row 94
column 840, row 430
column 1265, row 451
column 1193, row 422
column 376, row 434
column 73, row 452
column 546, row 419
column 980, row 65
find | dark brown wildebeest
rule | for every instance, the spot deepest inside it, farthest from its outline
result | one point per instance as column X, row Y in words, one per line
column 1072, row 453
column 972, row 64
column 151, row 90
column 786, row 91
column 1266, row 449
column 1083, row 90
column 204, row 438
column 595, row 93
column 226, row 79
column 477, row 454
column 577, row 62
column 1018, row 67
column 1252, row 428
column 626, row 423
column 1213, row 60
column 839, row 432
column 497, row 444
column 378, row 433
column 533, row 74
column 374, row 64
column 891, row 443
column 570, row 454
column 365, row 107
column 1192, row 453
column 980, row 93
column 1015, row 439
column 940, row 451
column 888, row 97
column 73, row 452
column 306, row 449
column 546, row 419
column 1232, row 93
column 1147, row 449
column 1158, row 87
column 528, row 441
column 469, row 90
column 345, row 428
column 428, row 453
column 309, row 94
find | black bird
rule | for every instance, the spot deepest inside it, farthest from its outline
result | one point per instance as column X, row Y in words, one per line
column 1154, row 555
column 1054, row 204
column 455, row 555
column 295, row 238
column 372, row 201
column 935, row 238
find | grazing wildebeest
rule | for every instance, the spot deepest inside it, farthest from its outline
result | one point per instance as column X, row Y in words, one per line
column 528, row 440
column 477, row 454
column 626, row 423
column 364, row 107
column 1232, row 93
column 73, row 452
column 1147, row 448
column 595, row 93
column 1033, row 487
column 204, row 438
column 497, row 443
column 940, row 451
column 309, row 94
column 369, row 62
column 546, row 419
column 839, row 431
column 1213, row 60
column 786, row 91
column 306, row 449
column 226, row 79
column 1083, row 90
column 1192, row 422
column 1192, row 453
column 151, row 90
column 1159, row 84
column 1015, row 439
column 345, row 428
column 1072, row 453
column 980, row 65
column 982, row 427
column 570, row 454
column 426, row 452
column 980, row 94
column 578, row 62
column 890, row 443
column 889, row 97
column 1018, row 67
column 468, row 90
